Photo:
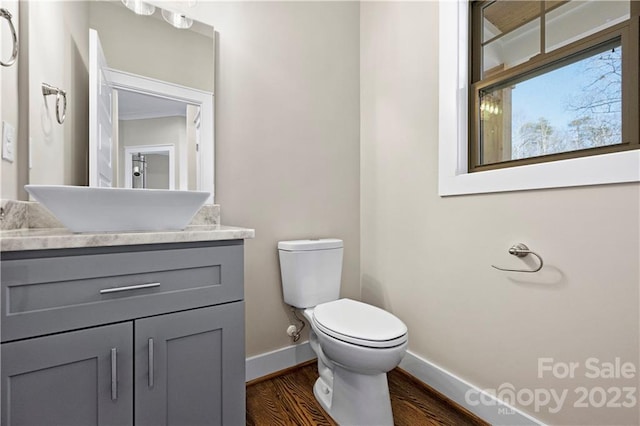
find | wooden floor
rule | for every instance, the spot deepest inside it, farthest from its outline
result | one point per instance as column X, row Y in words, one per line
column 288, row 399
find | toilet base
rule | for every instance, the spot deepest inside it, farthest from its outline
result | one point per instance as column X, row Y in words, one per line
column 355, row 399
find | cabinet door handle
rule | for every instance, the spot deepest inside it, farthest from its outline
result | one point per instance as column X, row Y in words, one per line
column 128, row 288
column 114, row 374
column 150, row 365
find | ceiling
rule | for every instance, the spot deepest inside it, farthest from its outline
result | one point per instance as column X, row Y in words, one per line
column 507, row 15
column 134, row 106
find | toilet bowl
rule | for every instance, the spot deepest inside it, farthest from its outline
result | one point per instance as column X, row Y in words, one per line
column 356, row 343
column 359, row 336
column 359, row 355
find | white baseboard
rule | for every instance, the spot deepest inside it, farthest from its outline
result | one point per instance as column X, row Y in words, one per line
column 455, row 388
column 280, row 359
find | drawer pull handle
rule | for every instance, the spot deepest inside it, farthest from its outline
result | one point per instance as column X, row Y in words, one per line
column 150, row 363
column 114, row 374
column 128, row 288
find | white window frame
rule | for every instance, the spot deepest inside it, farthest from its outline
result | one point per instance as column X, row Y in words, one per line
column 453, row 175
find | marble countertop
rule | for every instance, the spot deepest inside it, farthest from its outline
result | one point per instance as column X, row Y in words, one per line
column 58, row 238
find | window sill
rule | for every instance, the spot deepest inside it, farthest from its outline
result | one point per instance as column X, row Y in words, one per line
column 603, row 169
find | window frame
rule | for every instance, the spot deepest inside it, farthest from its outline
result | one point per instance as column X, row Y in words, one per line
column 628, row 34
column 452, row 134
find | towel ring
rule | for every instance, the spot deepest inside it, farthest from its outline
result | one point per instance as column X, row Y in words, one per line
column 47, row 90
column 521, row 250
column 4, row 13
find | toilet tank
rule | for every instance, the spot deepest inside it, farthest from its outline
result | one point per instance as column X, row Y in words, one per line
column 311, row 271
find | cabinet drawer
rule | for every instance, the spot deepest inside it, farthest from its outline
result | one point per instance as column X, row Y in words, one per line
column 51, row 294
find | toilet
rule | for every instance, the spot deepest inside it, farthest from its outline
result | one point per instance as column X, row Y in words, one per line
column 356, row 343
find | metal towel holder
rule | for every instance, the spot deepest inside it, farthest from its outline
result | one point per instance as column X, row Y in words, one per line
column 47, row 90
column 521, row 250
column 4, row 13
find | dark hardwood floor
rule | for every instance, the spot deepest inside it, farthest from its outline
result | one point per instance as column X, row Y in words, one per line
column 287, row 399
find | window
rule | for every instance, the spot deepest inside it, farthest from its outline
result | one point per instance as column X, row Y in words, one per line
column 551, row 80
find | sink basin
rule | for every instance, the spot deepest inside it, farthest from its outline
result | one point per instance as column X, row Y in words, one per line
column 89, row 209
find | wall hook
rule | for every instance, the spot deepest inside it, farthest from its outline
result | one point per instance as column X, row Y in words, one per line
column 4, row 13
column 47, row 90
column 521, row 250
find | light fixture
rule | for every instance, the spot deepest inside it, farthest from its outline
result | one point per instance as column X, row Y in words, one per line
column 177, row 19
column 139, row 7
column 490, row 106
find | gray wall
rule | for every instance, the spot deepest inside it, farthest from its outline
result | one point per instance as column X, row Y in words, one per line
column 427, row 259
column 287, row 140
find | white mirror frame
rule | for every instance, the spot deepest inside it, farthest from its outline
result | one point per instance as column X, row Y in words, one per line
column 121, row 80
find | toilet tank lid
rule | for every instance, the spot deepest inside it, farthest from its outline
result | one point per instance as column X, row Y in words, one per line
column 304, row 245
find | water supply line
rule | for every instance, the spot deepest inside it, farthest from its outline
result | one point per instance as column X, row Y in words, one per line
column 294, row 331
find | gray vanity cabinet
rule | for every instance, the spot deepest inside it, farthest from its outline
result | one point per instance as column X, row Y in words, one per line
column 66, row 379
column 132, row 335
column 187, row 368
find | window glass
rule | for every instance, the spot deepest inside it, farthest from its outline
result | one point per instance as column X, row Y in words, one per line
column 512, row 48
column 570, row 106
column 574, row 20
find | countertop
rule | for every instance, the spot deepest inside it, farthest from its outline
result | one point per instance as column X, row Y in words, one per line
column 59, row 238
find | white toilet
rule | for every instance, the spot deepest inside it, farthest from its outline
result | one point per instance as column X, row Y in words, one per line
column 357, row 344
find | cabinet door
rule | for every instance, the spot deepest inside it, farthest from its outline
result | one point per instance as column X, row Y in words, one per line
column 190, row 369
column 79, row 378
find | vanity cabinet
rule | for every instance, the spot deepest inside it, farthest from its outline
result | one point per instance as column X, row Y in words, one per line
column 144, row 335
column 66, row 379
column 190, row 368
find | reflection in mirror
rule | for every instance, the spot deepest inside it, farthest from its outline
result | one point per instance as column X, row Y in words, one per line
column 148, row 116
column 154, row 135
column 134, row 46
column 150, row 167
column 149, row 46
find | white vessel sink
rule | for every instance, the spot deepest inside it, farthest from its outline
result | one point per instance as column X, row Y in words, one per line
column 89, row 209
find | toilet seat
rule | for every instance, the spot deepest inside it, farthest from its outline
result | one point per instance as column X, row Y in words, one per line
column 359, row 324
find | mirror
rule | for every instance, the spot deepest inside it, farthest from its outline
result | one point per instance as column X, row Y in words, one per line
column 152, row 131
column 157, row 80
